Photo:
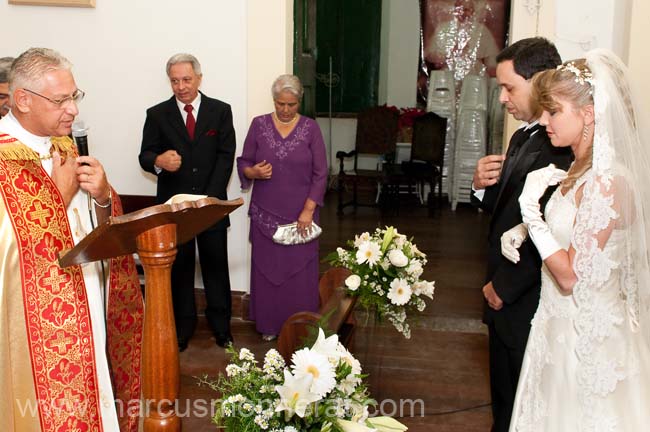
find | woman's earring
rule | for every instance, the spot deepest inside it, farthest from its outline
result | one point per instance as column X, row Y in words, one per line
column 585, row 132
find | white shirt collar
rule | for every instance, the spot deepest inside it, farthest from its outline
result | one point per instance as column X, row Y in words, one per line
column 195, row 103
column 525, row 126
column 11, row 126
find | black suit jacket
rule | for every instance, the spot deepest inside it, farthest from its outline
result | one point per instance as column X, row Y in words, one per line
column 207, row 161
column 518, row 285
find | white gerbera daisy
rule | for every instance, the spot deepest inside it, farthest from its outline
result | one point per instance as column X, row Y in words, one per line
column 400, row 292
column 295, row 395
column 316, row 365
column 368, row 252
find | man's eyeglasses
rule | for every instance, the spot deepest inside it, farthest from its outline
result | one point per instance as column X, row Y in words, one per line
column 77, row 97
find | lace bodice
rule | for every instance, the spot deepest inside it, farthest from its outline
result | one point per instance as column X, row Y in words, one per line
column 581, row 351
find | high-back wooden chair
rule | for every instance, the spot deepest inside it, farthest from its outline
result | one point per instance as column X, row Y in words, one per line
column 427, row 153
column 376, row 135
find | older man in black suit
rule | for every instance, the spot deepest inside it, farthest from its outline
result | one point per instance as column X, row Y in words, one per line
column 512, row 290
column 188, row 141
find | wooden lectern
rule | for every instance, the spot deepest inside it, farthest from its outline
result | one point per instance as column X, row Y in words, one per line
column 154, row 233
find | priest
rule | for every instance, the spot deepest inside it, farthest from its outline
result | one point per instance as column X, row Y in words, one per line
column 60, row 328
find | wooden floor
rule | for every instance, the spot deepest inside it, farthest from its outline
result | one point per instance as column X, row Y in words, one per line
column 441, row 372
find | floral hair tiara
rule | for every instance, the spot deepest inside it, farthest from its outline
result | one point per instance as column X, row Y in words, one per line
column 582, row 75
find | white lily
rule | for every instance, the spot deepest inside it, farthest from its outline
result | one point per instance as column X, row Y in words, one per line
column 327, row 346
column 295, row 395
column 350, row 426
column 386, row 424
column 415, row 268
column 364, row 237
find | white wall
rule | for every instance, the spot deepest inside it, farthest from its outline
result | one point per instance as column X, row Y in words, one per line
column 638, row 58
column 119, row 50
column 269, row 53
column 581, row 25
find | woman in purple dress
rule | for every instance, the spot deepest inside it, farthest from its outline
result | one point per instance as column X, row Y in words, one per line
column 284, row 155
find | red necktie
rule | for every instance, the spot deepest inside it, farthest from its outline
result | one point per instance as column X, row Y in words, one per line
column 190, row 124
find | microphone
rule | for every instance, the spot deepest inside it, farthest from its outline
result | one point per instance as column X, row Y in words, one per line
column 80, row 134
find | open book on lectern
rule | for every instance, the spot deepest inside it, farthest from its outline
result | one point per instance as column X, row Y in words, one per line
column 191, row 214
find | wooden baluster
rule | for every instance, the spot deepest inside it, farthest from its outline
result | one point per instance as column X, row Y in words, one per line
column 160, row 368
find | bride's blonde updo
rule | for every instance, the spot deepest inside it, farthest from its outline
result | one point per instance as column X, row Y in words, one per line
column 571, row 81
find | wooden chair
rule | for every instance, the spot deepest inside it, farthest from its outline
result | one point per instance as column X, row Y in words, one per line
column 426, row 161
column 376, row 135
column 332, row 298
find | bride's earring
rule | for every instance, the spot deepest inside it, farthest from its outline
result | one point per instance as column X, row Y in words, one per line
column 585, row 132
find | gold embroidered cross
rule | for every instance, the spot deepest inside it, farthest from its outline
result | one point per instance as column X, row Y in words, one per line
column 39, row 214
column 61, row 342
column 55, row 279
column 68, row 401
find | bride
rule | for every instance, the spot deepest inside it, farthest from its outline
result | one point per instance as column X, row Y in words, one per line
column 587, row 361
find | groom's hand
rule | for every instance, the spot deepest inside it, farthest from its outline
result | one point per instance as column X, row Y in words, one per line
column 488, row 170
column 491, row 296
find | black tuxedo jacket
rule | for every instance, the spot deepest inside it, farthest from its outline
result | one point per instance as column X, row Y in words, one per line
column 207, row 161
column 518, row 285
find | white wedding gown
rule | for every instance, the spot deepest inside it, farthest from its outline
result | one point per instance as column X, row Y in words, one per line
column 609, row 390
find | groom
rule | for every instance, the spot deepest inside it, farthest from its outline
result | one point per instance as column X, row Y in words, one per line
column 512, row 290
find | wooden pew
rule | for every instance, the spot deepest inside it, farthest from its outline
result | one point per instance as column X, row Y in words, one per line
column 332, row 298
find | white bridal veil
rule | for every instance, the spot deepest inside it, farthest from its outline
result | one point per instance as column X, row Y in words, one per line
column 616, row 200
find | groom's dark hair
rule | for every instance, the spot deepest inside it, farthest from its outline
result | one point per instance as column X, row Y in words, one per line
column 531, row 55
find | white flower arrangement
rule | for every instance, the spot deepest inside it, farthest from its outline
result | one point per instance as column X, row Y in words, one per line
column 386, row 269
column 322, row 391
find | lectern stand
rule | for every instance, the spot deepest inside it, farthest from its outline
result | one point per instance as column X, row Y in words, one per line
column 154, row 233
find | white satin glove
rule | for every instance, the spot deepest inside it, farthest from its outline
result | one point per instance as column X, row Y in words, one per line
column 536, row 184
column 511, row 240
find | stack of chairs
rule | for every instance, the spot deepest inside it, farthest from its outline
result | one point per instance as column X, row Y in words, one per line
column 441, row 99
column 471, row 136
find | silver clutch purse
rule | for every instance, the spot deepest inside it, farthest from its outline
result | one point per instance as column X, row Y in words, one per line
column 288, row 234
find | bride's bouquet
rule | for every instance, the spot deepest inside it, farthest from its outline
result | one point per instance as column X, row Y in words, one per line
column 386, row 269
column 322, row 390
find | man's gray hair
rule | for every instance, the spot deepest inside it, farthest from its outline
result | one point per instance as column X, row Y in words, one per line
column 184, row 58
column 5, row 66
column 28, row 69
column 287, row 82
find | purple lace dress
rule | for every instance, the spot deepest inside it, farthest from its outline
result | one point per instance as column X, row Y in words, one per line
column 284, row 279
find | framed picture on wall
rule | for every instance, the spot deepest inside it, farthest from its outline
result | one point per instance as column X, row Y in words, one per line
column 463, row 36
column 73, row 3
